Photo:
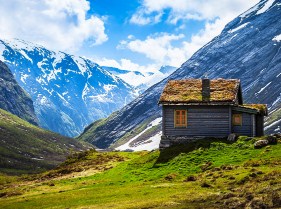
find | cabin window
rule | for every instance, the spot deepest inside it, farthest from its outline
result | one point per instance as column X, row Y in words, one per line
column 237, row 119
column 180, row 118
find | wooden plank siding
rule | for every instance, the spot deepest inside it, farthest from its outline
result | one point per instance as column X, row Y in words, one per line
column 229, row 120
column 202, row 121
column 163, row 122
column 247, row 127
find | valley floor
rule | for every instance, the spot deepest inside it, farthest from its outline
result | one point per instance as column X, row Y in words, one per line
column 206, row 174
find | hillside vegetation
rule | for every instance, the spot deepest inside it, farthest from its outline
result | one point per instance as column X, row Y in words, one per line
column 25, row 148
column 209, row 173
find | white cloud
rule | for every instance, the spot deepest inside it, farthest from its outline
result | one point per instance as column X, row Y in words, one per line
column 189, row 9
column 142, row 17
column 204, row 36
column 160, row 48
column 157, row 48
column 57, row 24
column 131, row 37
column 126, row 64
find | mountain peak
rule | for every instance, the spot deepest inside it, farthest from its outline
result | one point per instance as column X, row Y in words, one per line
column 68, row 91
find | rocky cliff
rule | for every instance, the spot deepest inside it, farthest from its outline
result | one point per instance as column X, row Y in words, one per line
column 13, row 98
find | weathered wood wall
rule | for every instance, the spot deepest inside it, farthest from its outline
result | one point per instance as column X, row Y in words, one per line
column 202, row 121
column 247, row 128
column 254, row 125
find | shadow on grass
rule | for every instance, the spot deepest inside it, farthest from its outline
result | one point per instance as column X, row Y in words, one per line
column 169, row 153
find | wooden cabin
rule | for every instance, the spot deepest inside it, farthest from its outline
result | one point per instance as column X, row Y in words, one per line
column 199, row 108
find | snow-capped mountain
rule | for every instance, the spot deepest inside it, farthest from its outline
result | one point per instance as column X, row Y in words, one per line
column 141, row 81
column 126, row 75
column 69, row 92
column 249, row 48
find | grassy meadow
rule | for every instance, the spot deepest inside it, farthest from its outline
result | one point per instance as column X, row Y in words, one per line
column 206, row 174
column 26, row 148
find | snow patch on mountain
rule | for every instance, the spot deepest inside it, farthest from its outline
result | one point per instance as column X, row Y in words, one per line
column 51, row 76
column 272, row 124
column 109, row 87
column 277, row 38
column 23, row 77
column 85, row 91
column 25, row 55
column 65, row 102
column 39, row 64
column 20, row 45
column 42, row 100
column 238, row 28
column 2, row 49
column 261, row 90
column 59, row 56
column 277, row 101
column 149, row 144
column 266, row 6
column 64, row 93
column 277, row 130
column 250, row 11
column 101, row 98
column 155, row 122
column 259, row 8
column 80, row 63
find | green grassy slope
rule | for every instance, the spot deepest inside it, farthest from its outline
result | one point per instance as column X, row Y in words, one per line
column 25, row 148
column 206, row 174
column 151, row 131
column 90, row 132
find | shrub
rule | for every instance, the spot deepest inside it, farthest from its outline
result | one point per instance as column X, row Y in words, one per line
column 190, row 178
column 205, row 184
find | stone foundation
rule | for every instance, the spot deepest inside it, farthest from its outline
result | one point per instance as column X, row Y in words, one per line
column 168, row 141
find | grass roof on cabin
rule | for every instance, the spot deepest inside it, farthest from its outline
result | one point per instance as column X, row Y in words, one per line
column 261, row 108
column 190, row 91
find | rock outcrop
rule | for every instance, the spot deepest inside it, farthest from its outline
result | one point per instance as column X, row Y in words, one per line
column 13, row 98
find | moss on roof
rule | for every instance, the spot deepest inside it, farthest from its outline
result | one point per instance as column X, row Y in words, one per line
column 261, row 108
column 190, row 91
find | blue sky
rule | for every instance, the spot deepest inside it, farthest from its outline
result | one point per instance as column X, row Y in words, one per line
column 130, row 34
column 119, row 27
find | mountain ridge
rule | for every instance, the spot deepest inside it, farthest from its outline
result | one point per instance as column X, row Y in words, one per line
column 141, row 81
column 69, row 92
